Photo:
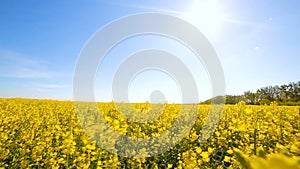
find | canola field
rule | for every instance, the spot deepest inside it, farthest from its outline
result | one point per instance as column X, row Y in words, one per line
column 50, row 134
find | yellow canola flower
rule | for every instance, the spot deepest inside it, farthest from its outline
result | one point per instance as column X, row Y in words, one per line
column 198, row 150
column 210, row 150
column 248, row 111
column 229, row 151
column 90, row 147
column 295, row 149
column 227, row 159
column 205, row 156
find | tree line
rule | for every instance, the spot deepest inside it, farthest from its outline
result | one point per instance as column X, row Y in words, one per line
column 287, row 94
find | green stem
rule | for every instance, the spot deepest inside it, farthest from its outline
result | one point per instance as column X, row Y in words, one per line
column 255, row 141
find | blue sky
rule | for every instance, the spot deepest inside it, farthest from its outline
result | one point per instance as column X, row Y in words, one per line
column 256, row 41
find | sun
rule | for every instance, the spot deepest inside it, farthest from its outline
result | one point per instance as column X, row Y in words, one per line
column 205, row 15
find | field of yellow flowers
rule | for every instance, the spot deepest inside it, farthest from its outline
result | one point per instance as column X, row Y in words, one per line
column 49, row 134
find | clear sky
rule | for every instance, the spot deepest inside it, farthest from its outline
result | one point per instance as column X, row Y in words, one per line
column 257, row 42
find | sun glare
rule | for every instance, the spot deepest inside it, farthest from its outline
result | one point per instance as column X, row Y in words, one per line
column 205, row 15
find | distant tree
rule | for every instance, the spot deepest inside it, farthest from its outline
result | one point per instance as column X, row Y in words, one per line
column 283, row 94
column 249, row 97
column 297, row 91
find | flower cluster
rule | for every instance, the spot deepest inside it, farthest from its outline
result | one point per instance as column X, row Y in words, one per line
column 52, row 134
